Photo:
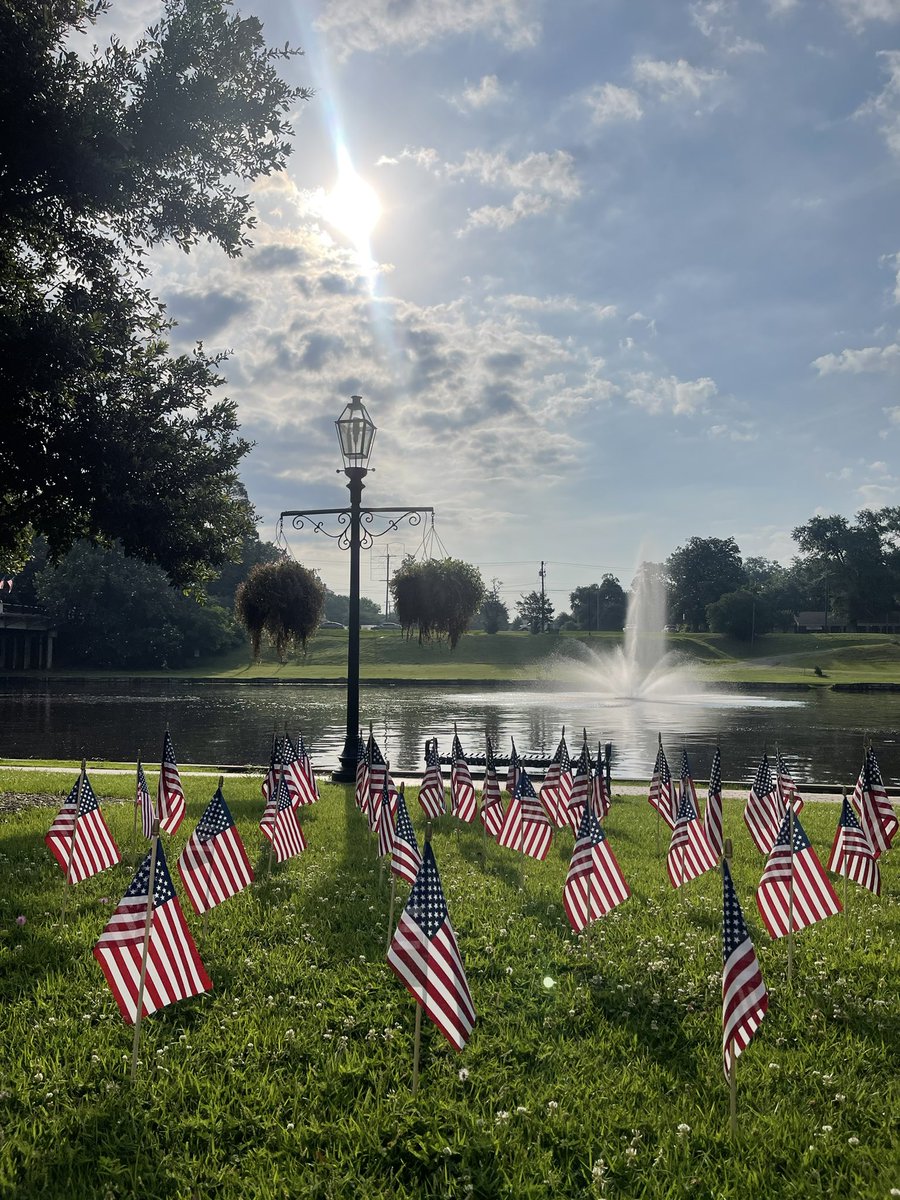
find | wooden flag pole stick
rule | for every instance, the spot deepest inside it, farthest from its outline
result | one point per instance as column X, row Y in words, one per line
column 148, row 921
column 390, row 932
column 137, row 775
column 417, row 1039
column 62, row 915
column 790, row 947
column 727, row 852
column 275, row 822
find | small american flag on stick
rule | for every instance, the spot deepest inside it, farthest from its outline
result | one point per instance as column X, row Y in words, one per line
column 557, row 786
column 174, row 969
column 462, row 790
column 764, row 810
column 852, row 854
column 512, row 771
column 594, row 884
column 170, row 806
column 526, row 827
column 713, row 814
column 582, row 786
column 491, row 796
column 794, row 890
column 304, row 775
column 214, row 865
column 79, row 838
column 600, row 798
column 690, row 854
column 386, row 815
column 789, row 791
column 405, row 857
column 431, row 792
column 279, row 825
column 424, row 956
column 662, row 792
column 874, row 809
column 744, row 997
column 144, row 803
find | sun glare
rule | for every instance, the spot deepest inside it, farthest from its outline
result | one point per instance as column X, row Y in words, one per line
column 352, row 206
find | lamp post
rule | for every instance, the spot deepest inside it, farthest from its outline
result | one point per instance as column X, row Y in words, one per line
column 355, row 531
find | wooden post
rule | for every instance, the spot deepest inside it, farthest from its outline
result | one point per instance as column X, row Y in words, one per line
column 148, row 922
column 66, row 882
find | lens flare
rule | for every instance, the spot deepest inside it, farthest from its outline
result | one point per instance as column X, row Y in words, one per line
column 352, row 206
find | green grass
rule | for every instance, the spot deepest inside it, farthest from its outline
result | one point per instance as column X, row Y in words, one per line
column 291, row 1079
column 386, row 654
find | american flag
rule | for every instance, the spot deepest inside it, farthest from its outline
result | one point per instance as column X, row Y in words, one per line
column 491, row 796
column 309, row 791
column 764, row 810
column 582, row 787
column 462, row 789
column 557, row 786
column 852, row 854
column 362, row 775
column 174, row 969
column 293, row 774
column 526, row 827
column 423, row 954
column 713, row 814
column 786, row 785
column 142, row 800
column 86, row 841
column 281, row 758
column 170, row 804
column 690, row 854
column 662, row 791
column 378, row 773
column 280, row 827
column 214, row 865
column 386, row 813
column 405, row 859
column 870, row 799
column 814, row 898
column 687, row 780
column 512, row 771
column 744, row 996
column 595, row 883
column 600, row 799
column 431, row 792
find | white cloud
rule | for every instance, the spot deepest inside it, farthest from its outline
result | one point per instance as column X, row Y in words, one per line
column 375, row 25
column 893, row 261
column 673, row 81
column 893, row 415
column 858, row 13
column 552, row 173
column 608, row 102
column 479, row 95
column 857, row 362
column 715, row 20
column 738, row 431
column 779, row 8
column 504, row 216
column 668, row 394
column 885, row 107
column 558, row 304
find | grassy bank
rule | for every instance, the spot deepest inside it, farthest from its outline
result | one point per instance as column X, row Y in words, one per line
column 594, row 1069
column 386, row 654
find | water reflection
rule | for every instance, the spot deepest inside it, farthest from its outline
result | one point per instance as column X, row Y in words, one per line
column 820, row 732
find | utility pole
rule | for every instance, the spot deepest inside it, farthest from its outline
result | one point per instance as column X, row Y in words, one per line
column 542, row 574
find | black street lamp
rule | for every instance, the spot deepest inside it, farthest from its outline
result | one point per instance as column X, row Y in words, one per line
column 356, row 434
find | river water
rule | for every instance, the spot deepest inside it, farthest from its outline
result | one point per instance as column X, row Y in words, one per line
column 820, row 732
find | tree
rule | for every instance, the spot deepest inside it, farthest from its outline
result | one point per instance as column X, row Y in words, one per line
column 599, row 606
column 535, row 613
column 742, row 614
column 284, row 600
column 701, row 571
column 111, row 611
column 858, row 564
column 437, row 598
column 337, row 608
column 493, row 614
column 105, row 435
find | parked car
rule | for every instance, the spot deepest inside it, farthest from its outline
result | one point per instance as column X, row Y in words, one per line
column 331, row 625
column 388, row 625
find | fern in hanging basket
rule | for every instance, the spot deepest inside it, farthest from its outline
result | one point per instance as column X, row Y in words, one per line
column 437, row 598
column 282, row 600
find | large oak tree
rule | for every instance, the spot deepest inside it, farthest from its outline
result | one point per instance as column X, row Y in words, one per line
column 103, row 155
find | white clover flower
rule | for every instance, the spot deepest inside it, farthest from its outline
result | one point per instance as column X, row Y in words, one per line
column 463, row 1074
column 839, row 1097
column 290, row 1125
column 827, row 1128
column 553, row 1105
column 630, row 1152
column 521, row 1109
column 853, row 1141
column 501, row 1117
column 683, row 1130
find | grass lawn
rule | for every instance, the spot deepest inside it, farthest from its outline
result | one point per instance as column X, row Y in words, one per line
column 594, row 1069
column 386, row 654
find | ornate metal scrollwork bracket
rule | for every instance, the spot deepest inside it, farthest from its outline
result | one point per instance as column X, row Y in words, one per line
column 314, row 520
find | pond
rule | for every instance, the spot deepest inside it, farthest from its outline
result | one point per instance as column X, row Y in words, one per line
column 820, row 732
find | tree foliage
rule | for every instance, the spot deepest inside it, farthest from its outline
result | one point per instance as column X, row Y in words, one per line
column 493, row 614
column 699, row 572
column 535, row 613
column 599, row 605
column 437, row 598
column 858, row 562
column 106, row 435
column 743, row 615
column 337, row 608
column 111, row 611
column 283, row 600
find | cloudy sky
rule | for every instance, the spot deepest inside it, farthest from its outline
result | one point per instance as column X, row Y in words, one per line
column 635, row 274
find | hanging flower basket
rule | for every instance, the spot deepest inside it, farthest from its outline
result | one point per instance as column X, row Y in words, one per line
column 284, row 600
column 437, row 598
